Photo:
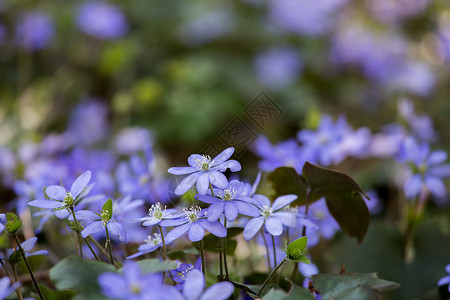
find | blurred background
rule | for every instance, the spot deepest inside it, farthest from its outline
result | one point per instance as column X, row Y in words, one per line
column 128, row 89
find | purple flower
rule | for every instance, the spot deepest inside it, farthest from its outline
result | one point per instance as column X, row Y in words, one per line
column 426, row 168
column 445, row 280
column 132, row 140
column 271, row 216
column 321, row 216
column 102, row 20
column 393, row 12
column 230, row 201
column 193, row 288
column 250, row 189
column 278, row 67
column 27, row 246
column 34, row 31
column 194, row 222
column 205, row 171
column 3, row 221
column 133, row 285
column 5, row 288
column 151, row 244
column 156, row 214
column 180, row 274
column 421, row 126
column 61, row 199
column 97, row 223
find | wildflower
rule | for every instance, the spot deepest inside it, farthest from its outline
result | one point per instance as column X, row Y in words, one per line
column 34, row 31
column 231, row 201
column 27, row 246
column 181, row 273
column 151, row 244
column 5, row 288
column 194, row 222
column 445, row 280
column 134, row 285
column 194, row 286
column 156, row 214
column 98, row 222
column 61, row 199
column 3, row 221
column 271, row 216
column 205, row 171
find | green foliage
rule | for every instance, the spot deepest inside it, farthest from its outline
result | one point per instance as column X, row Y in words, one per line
column 352, row 286
column 107, row 210
column 211, row 242
column 79, row 275
column 296, row 249
column 13, row 223
column 155, row 265
column 296, row 292
column 50, row 294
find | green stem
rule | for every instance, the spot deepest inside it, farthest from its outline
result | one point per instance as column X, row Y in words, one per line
column 164, row 256
column 18, row 292
column 108, row 241
column 79, row 232
column 274, row 252
column 270, row 276
column 220, row 245
column 224, row 243
column 308, row 194
column 202, row 256
column 22, row 252
column 17, row 289
column 267, row 250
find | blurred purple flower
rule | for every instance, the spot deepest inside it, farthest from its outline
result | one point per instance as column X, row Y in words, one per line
column 194, row 222
column 34, row 31
column 5, row 288
column 308, row 18
column 205, row 171
column 229, row 201
column 156, row 214
column 271, row 216
column 98, row 223
column 134, row 285
column 446, row 279
column 151, row 244
column 102, row 20
column 318, row 211
column 421, row 126
column 278, row 67
column 27, row 246
column 3, row 221
column 132, row 140
column 180, row 274
column 396, row 11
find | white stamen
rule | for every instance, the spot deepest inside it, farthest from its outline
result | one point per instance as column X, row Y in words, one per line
column 156, row 211
column 266, row 211
column 203, row 163
column 153, row 241
column 228, row 194
column 192, row 213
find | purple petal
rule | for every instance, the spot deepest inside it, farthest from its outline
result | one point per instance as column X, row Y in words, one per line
column 80, row 184
column 152, row 221
column 45, row 203
column 93, row 228
column 215, row 211
column 247, row 209
column 194, row 285
column 203, row 183
column 223, row 156
column 62, row 213
column 233, row 165
column 440, row 171
column 286, row 218
column 173, row 222
column 218, row 179
column 29, row 244
column 274, row 226
column 39, row 252
column 116, row 229
column 263, row 200
column 218, row 291
column 186, row 183
column 412, row 186
column 252, row 227
column 178, row 231
column 207, row 199
column 443, row 281
column 437, row 157
column 282, row 201
column 56, row 192
column 181, row 170
column 113, row 285
column 435, row 185
column 87, row 215
column 192, row 160
column 196, row 232
column 231, row 211
column 255, row 184
column 215, row 228
column 137, row 254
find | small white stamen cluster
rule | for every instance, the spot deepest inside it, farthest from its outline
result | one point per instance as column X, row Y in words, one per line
column 291, row 209
column 156, row 211
column 228, row 194
column 192, row 213
column 68, row 200
column 186, row 272
column 266, row 211
column 105, row 216
column 153, row 241
column 203, row 163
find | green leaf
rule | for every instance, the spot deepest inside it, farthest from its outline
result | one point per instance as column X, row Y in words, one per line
column 351, row 286
column 298, row 292
column 15, row 258
column 296, row 249
column 13, row 223
column 343, row 197
column 286, row 180
column 50, row 294
column 80, row 275
column 107, row 210
column 274, row 294
column 179, row 254
column 155, row 265
column 211, row 242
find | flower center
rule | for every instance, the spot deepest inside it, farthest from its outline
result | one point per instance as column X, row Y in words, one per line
column 266, row 211
column 154, row 241
column 192, row 213
column 106, row 217
column 156, row 211
column 228, row 194
column 203, row 163
column 68, row 200
column 186, row 272
column 143, row 179
column 135, row 289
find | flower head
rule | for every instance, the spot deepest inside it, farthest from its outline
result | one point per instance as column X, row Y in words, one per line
column 97, row 223
column 156, row 214
column 62, row 199
column 6, row 288
column 151, row 243
column 204, row 171
column 445, row 280
column 194, row 285
column 34, row 31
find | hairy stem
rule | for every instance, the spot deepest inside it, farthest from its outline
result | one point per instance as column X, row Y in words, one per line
column 267, row 250
column 202, row 256
column 108, row 242
column 79, row 232
column 13, row 280
column 164, row 256
column 224, row 244
column 270, row 276
column 18, row 292
column 220, row 244
column 274, row 252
